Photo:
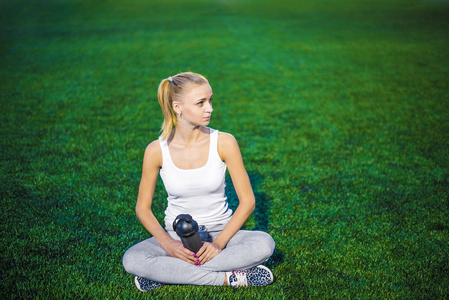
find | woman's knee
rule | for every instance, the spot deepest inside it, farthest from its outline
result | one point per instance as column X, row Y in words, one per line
column 262, row 244
column 130, row 261
column 267, row 243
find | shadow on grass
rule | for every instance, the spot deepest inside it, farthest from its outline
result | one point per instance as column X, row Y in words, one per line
column 260, row 214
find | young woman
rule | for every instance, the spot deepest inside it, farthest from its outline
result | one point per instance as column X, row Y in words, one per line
column 191, row 159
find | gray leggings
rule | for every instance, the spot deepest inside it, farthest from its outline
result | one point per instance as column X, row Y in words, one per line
column 244, row 250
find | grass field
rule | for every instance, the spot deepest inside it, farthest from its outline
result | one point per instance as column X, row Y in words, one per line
column 341, row 110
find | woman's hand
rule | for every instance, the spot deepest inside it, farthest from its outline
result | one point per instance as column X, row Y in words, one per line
column 176, row 249
column 207, row 252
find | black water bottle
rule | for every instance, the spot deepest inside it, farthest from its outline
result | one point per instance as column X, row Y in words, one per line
column 187, row 229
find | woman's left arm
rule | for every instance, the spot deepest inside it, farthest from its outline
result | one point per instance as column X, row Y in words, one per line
column 229, row 152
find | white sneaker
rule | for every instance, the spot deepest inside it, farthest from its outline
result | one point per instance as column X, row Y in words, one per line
column 256, row 276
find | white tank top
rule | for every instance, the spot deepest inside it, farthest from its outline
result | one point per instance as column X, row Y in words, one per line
column 198, row 192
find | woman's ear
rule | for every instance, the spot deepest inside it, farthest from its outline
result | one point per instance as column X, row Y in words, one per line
column 176, row 107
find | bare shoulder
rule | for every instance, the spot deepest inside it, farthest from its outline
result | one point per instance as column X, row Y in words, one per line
column 224, row 137
column 153, row 154
column 227, row 145
column 153, row 146
column 226, row 140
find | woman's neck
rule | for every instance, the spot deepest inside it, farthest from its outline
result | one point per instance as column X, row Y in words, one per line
column 187, row 136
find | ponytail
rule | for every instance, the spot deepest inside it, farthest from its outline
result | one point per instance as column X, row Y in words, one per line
column 170, row 89
column 165, row 101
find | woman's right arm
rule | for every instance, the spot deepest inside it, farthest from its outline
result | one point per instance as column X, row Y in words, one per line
column 152, row 163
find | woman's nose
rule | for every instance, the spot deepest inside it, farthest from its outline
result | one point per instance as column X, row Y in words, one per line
column 209, row 107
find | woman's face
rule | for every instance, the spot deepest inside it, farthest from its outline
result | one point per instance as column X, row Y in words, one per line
column 195, row 105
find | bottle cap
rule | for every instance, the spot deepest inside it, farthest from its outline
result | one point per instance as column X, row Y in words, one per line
column 185, row 225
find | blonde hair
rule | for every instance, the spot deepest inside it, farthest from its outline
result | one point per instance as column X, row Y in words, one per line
column 170, row 89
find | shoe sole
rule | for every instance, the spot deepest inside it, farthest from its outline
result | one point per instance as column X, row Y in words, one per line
column 136, row 282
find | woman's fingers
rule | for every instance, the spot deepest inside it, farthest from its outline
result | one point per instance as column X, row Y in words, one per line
column 189, row 256
column 202, row 249
column 206, row 253
column 178, row 250
column 211, row 250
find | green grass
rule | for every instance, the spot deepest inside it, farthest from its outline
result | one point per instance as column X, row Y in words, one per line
column 341, row 110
